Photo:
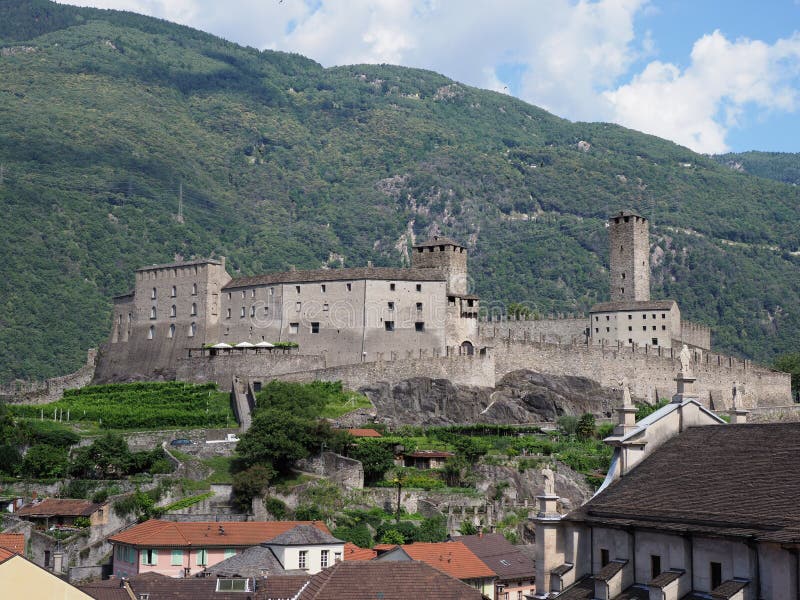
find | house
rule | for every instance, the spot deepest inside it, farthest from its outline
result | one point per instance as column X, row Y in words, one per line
column 62, row 512
column 516, row 571
column 180, row 549
column 710, row 512
column 20, row 578
column 15, row 542
column 367, row 580
column 426, row 459
column 353, row 552
column 453, row 558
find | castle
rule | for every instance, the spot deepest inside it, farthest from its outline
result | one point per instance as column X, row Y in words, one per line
column 364, row 325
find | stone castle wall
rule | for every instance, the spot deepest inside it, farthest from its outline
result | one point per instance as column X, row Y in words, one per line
column 50, row 390
column 650, row 371
column 694, row 334
column 553, row 330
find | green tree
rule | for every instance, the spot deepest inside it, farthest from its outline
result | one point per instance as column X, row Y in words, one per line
column 250, row 483
column 467, row 528
column 357, row 534
column 276, row 438
column 518, row 310
column 790, row 363
column 568, row 424
column 586, row 427
column 392, row 536
column 433, row 529
column 45, row 461
column 376, row 456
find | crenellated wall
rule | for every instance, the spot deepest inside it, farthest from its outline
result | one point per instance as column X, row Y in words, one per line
column 551, row 329
column 50, row 390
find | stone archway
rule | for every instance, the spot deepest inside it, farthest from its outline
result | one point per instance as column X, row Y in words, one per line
column 467, row 348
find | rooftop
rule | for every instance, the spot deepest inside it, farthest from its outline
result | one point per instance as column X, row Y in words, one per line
column 155, row 533
column 429, row 454
column 453, row 558
column 364, row 433
column 367, row 580
column 304, row 535
column 500, row 555
column 731, row 480
column 353, row 552
column 256, row 561
column 13, row 541
column 185, row 263
column 59, row 507
column 438, row 240
column 633, row 305
column 351, row 274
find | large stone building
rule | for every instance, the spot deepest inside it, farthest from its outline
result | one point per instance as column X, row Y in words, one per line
column 345, row 316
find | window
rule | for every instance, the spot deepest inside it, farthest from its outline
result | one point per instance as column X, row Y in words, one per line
column 654, row 341
column 297, row 289
column 322, row 288
column 244, row 293
column 294, row 328
column 337, row 557
column 302, row 559
column 608, row 318
column 228, row 314
column 153, row 294
column 654, row 316
column 663, row 328
column 194, row 309
column 173, row 311
column 325, row 307
column 419, row 287
column 174, row 291
column 644, row 327
column 298, row 306
column 388, row 325
column 597, row 318
column 655, row 566
column 153, row 312
column 644, row 316
column 171, row 333
column 151, row 332
column 630, row 317
column 253, row 293
column 663, row 316
column 608, row 329
column 604, row 559
column 252, row 311
column 315, row 327
column 621, row 290
column 194, row 290
column 323, row 558
column 630, row 328
column 233, row 585
column 271, row 291
column 630, row 341
column 349, row 287
column 192, row 329
column 419, row 326
column 391, row 287
column 241, row 312
column 202, row 557
column 654, row 327
column 623, row 275
column 177, row 558
column 390, row 305
column 597, row 330
column 149, row 556
column 716, row 574
column 230, row 552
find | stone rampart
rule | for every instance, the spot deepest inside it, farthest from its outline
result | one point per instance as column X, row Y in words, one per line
column 694, row 334
column 650, row 371
column 552, row 329
column 461, row 369
column 50, row 390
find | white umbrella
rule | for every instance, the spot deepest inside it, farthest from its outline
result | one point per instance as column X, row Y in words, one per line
column 222, row 345
column 244, row 345
column 264, row 345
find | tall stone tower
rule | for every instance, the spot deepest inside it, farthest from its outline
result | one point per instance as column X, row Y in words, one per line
column 629, row 236
column 448, row 256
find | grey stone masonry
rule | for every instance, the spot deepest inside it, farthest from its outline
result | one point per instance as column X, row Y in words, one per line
column 629, row 239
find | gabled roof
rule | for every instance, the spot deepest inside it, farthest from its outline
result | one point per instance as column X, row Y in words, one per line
column 156, row 533
column 5, row 554
column 13, row 541
column 453, row 558
column 364, row 433
column 731, row 480
column 367, row 580
column 323, row 275
column 353, row 552
column 633, row 305
column 256, row 561
column 500, row 555
column 438, row 240
column 303, row 535
column 59, row 507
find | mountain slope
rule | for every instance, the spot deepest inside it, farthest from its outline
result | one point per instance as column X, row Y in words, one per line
column 107, row 116
column 780, row 166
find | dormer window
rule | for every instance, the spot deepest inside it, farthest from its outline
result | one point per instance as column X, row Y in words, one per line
column 233, row 585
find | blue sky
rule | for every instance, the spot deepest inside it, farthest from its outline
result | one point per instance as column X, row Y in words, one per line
column 713, row 75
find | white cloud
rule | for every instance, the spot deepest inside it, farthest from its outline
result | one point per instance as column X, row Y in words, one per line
column 698, row 106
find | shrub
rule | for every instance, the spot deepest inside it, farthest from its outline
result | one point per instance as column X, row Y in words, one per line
column 278, row 509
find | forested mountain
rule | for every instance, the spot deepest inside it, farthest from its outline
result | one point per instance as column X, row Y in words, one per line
column 105, row 116
column 780, row 166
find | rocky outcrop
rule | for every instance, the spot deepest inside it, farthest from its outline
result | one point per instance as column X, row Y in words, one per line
column 520, row 397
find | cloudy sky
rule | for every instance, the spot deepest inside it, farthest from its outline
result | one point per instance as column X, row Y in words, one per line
column 714, row 75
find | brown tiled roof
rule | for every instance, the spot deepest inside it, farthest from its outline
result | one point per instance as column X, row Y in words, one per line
column 13, row 541
column 155, row 533
column 429, row 454
column 6, row 554
column 562, row 569
column 665, row 578
column 282, row 587
column 367, row 580
column 500, row 555
column 315, row 275
column 728, row 588
column 304, row 535
column 633, row 305
column 256, row 561
column 364, row 433
column 582, row 590
column 438, row 240
column 59, row 507
column 611, row 569
column 353, row 552
column 453, row 558
column 731, row 480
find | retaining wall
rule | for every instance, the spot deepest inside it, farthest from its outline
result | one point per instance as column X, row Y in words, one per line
column 50, row 390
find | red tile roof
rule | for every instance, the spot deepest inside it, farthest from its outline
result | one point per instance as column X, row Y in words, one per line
column 155, row 533
column 13, row 541
column 500, row 555
column 453, row 558
column 6, row 554
column 353, row 552
column 363, row 433
column 58, row 507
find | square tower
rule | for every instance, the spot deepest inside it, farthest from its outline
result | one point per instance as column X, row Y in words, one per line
column 448, row 256
column 629, row 236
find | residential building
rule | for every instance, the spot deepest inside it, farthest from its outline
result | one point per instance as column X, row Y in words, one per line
column 62, row 512
column 20, row 578
column 516, row 571
column 426, row 459
column 15, row 542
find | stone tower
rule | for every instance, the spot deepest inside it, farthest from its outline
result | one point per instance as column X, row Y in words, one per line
column 629, row 236
column 448, row 256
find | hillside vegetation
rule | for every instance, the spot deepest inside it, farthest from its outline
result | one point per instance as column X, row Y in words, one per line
column 780, row 166
column 107, row 115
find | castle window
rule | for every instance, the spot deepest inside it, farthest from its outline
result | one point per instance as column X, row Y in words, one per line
column 172, row 311
column 315, row 327
column 325, row 307
column 171, row 333
column 253, row 293
column 608, row 329
column 623, row 275
column 228, row 314
column 608, row 318
column 597, row 330
column 391, row 287
column 654, row 316
column 621, row 290
column 153, row 313
column 644, row 316
column 390, row 305
column 244, row 293
column 716, row 574
column 266, row 310
column 193, row 329
column 349, row 287
column 153, row 294
column 322, row 288
column 597, row 318
column 298, row 306
column 151, row 332
column 663, row 328
column 229, row 295
column 252, row 311
column 470, row 302
column 451, row 300
column 663, row 316
column 174, row 291
column 271, row 291
column 419, row 306
column 194, row 290
column 419, row 287
column 630, row 328
column 630, row 341
column 419, row 326
column 194, row 309
column 644, row 327
column 297, row 289
column 227, row 330
column 630, row 317
column 294, row 328
column 388, row 325
column 654, row 327
column 119, row 319
column 654, row 341
column 241, row 312
column 130, row 317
